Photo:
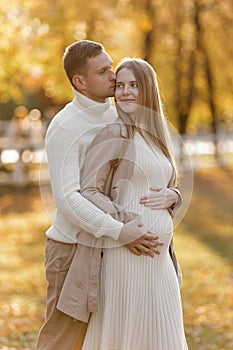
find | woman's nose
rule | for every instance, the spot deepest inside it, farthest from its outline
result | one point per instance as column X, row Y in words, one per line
column 126, row 90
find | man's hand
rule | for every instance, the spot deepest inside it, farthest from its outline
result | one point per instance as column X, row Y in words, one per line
column 162, row 198
column 137, row 241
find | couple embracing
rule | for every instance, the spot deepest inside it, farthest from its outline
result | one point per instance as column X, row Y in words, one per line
column 113, row 278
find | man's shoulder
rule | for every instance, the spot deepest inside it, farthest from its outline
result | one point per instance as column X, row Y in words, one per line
column 59, row 116
column 66, row 118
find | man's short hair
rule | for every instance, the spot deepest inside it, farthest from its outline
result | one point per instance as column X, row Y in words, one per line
column 76, row 57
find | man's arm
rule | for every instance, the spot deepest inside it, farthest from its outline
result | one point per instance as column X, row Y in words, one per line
column 63, row 152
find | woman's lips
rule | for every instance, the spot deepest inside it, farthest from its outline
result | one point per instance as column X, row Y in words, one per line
column 128, row 101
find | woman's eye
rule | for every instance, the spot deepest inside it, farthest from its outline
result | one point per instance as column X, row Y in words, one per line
column 119, row 86
column 134, row 85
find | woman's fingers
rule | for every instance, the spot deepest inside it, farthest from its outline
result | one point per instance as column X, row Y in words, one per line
column 162, row 198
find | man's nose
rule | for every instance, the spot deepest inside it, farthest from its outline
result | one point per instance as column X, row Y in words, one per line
column 112, row 75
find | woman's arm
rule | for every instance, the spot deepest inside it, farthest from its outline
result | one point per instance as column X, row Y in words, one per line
column 95, row 186
column 100, row 163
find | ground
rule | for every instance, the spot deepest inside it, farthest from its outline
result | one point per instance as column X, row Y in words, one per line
column 203, row 242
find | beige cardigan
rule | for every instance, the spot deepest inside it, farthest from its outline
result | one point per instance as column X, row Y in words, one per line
column 102, row 177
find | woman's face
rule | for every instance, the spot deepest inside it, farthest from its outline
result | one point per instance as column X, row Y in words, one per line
column 126, row 93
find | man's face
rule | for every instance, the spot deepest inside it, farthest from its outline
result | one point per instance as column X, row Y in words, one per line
column 100, row 78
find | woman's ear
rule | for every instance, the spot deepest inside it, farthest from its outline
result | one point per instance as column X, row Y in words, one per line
column 79, row 82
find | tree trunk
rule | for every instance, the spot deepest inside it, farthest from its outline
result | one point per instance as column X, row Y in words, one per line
column 149, row 37
column 185, row 69
column 209, row 79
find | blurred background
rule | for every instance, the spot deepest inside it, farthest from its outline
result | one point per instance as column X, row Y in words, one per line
column 190, row 45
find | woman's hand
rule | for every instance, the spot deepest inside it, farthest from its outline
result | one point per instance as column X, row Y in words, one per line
column 161, row 198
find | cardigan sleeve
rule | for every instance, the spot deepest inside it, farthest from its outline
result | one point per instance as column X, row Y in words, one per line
column 173, row 209
column 100, row 163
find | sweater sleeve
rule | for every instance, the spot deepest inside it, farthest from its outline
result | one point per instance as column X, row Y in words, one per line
column 64, row 153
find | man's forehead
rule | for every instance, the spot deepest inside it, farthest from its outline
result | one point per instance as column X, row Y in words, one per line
column 100, row 61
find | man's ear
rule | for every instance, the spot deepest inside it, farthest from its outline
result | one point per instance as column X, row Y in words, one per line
column 79, row 82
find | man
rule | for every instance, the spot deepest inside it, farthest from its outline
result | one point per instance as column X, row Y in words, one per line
column 89, row 69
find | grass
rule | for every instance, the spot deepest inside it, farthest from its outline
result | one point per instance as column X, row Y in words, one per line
column 204, row 244
column 22, row 226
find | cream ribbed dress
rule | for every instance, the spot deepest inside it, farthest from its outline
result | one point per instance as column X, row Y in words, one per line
column 139, row 300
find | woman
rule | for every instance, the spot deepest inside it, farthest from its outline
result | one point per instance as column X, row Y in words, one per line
column 139, row 301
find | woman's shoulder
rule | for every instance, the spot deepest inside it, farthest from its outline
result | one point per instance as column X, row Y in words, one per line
column 108, row 140
column 116, row 129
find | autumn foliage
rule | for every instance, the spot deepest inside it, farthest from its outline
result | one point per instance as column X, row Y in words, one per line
column 189, row 43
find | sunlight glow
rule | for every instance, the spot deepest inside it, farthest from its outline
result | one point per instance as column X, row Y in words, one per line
column 9, row 156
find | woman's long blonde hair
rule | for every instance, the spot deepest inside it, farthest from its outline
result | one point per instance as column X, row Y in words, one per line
column 149, row 117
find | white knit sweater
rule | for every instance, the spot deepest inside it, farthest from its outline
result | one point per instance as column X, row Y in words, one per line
column 67, row 139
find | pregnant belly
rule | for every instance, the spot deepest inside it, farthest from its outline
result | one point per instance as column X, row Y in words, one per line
column 158, row 222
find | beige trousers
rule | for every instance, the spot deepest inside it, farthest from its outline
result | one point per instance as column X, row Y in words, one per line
column 59, row 332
